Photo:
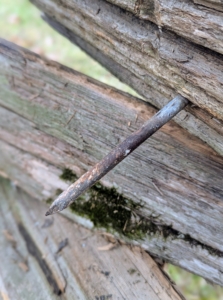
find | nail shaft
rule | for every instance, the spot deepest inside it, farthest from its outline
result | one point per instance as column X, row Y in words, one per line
column 118, row 154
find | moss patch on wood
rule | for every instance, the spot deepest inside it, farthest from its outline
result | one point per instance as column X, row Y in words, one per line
column 109, row 209
column 58, row 192
column 49, row 200
column 68, row 175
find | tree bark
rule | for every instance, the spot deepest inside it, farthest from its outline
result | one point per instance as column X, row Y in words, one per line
column 52, row 118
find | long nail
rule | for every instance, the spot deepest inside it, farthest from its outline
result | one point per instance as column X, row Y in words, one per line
column 118, row 154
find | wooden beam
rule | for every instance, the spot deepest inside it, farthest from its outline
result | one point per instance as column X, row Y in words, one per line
column 197, row 121
column 196, row 23
column 59, row 258
column 56, row 118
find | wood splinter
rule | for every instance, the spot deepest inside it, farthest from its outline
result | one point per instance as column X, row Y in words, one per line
column 118, row 154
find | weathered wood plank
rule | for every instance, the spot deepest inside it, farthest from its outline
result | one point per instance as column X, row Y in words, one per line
column 198, row 24
column 121, row 273
column 21, row 274
column 64, row 92
column 69, row 120
column 173, row 63
column 195, row 120
column 179, row 249
column 215, row 4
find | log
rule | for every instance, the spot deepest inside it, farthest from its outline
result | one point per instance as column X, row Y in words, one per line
column 198, row 24
column 194, row 119
column 52, row 118
column 43, row 253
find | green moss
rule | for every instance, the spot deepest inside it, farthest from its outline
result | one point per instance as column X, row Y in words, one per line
column 58, row 192
column 68, row 175
column 108, row 209
column 131, row 271
column 49, row 200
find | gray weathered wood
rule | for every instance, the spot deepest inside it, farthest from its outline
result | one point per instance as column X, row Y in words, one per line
column 173, row 63
column 31, row 268
column 215, row 4
column 194, row 119
column 177, row 250
column 198, row 24
column 21, row 275
column 117, row 155
column 55, row 117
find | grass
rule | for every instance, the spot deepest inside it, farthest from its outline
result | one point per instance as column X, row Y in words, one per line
column 192, row 286
column 20, row 23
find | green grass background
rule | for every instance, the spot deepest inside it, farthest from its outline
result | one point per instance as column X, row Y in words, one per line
column 20, row 23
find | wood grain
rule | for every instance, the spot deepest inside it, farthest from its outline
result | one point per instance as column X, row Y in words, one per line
column 172, row 62
column 215, row 4
column 80, row 270
column 196, row 120
column 73, row 121
column 189, row 255
column 196, row 23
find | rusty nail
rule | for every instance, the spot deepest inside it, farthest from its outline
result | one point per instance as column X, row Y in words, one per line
column 118, row 154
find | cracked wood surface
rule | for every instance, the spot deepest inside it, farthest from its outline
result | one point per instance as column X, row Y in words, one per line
column 37, row 176
column 53, row 117
column 215, row 4
column 195, row 120
column 158, row 67
column 79, row 270
column 194, row 22
column 173, row 62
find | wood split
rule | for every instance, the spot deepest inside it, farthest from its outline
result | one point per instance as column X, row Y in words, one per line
column 108, row 247
column 62, row 245
column 9, row 238
column 35, row 96
column 23, row 266
column 69, row 120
